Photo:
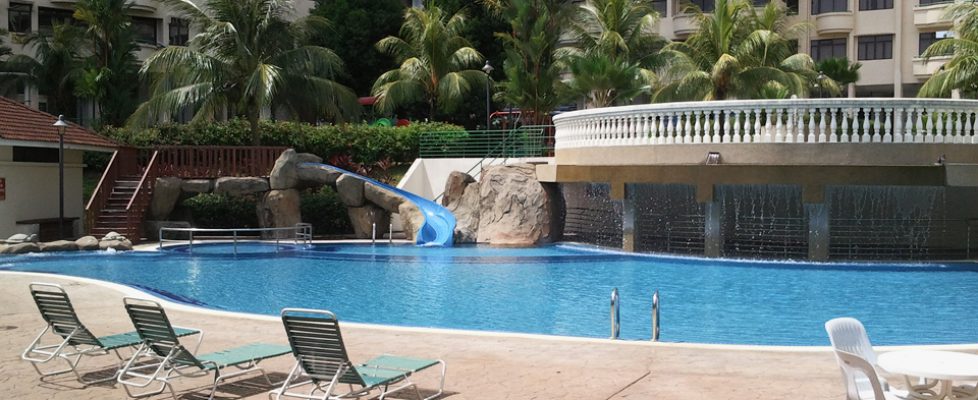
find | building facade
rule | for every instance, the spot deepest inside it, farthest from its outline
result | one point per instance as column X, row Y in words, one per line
column 886, row 36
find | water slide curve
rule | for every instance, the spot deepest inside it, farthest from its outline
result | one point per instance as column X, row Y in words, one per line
column 438, row 228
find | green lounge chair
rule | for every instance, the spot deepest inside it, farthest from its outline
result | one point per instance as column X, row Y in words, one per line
column 75, row 340
column 321, row 356
column 161, row 357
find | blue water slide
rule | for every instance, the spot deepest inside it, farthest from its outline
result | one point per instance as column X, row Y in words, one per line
column 438, row 228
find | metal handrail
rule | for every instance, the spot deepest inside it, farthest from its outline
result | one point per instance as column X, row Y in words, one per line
column 615, row 315
column 655, row 316
column 302, row 233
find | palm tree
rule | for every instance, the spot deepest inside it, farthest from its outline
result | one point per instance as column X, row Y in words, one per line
column 734, row 54
column 53, row 69
column 247, row 58
column 4, row 49
column 603, row 81
column 110, row 77
column 437, row 65
column 840, row 70
column 533, row 55
column 623, row 30
column 961, row 71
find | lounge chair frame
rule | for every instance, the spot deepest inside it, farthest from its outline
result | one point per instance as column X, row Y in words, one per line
column 76, row 341
column 162, row 358
column 335, row 369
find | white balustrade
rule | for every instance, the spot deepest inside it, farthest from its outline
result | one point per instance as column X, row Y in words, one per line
column 862, row 120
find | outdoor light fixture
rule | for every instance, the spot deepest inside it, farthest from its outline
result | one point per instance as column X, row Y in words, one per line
column 818, row 83
column 61, row 126
column 488, row 70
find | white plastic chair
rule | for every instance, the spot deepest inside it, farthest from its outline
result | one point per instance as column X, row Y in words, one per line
column 856, row 364
column 849, row 336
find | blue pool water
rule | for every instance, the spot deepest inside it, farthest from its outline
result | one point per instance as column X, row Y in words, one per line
column 558, row 290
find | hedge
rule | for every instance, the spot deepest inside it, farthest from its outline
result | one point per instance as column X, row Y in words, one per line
column 320, row 207
column 360, row 142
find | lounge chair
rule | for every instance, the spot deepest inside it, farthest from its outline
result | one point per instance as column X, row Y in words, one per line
column 161, row 357
column 75, row 340
column 856, row 364
column 848, row 335
column 321, row 356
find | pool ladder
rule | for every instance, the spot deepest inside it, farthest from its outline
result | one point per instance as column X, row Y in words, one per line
column 616, row 315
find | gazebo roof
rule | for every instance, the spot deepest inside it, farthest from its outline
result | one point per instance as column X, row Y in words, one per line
column 19, row 122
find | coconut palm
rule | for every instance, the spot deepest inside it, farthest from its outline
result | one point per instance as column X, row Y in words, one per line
column 961, row 71
column 840, row 70
column 623, row 30
column 437, row 65
column 247, row 58
column 110, row 77
column 604, row 81
column 735, row 52
column 53, row 69
column 4, row 49
column 533, row 55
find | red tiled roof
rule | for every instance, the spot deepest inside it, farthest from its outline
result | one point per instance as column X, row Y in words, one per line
column 20, row 122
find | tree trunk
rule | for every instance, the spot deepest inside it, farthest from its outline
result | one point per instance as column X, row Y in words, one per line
column 253, row 114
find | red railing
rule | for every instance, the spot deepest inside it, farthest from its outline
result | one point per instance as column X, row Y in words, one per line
column 124, row 162
column 139, row 202
column 217, row 161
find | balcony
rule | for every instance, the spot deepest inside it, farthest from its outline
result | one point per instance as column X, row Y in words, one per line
column 834, row 22
column 683, row 24
column 924, row 68
column 931, row 16
column 841, row 132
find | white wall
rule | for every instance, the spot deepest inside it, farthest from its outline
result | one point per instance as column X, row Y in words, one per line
column 32, row 191
column 427, row 176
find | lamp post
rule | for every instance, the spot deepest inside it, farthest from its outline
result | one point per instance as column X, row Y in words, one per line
column 61, row 126
column 488, row 70
column 818, row 83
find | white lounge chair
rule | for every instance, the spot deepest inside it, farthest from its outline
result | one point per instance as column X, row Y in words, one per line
column 856, row 365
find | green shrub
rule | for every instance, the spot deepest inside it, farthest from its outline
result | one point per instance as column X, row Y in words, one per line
column 221, row 211
column 324, row 210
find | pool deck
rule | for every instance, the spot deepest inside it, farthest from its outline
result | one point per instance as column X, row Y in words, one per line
column 480, row 365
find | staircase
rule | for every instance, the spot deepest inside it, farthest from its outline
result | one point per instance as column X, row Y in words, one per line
column 113, row 217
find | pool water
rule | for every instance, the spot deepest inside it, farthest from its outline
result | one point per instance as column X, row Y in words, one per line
column 554, row 290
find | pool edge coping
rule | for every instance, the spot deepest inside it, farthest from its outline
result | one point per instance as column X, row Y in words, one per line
column 169, row 303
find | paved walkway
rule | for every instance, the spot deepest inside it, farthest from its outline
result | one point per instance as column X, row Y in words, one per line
column 480, row 366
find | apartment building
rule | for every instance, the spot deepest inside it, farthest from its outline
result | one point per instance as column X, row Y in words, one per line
column 886, row 36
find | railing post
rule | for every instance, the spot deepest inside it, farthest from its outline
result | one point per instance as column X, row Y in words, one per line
column 615, row 315
column 655, row 316
column 234, row 235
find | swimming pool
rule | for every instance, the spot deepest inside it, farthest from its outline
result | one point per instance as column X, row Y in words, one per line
column 555, row 290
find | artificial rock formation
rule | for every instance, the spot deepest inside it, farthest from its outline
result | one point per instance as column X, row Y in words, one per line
column 350, row 190
column 315, row 176
column 384, row 198
column 462, row 199
column 284, row 174
column 515, row 209
column 279, row 209
column 58, row 245
column 166, row 193
column 151, row 229
column 87, row 243
column 364, row 219
column 197, row 186
column 411, row 219
column 455, row 187
column 20, row 248
column 240, row 186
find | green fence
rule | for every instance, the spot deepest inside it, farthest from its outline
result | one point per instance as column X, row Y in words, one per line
column 521, row 142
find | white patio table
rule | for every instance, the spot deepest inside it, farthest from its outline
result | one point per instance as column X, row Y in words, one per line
column 938, row 369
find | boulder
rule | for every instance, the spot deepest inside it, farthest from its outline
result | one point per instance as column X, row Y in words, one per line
column 381, row 197
column 21, row 238
column 514, row 207
column 20, row 248
column 411, row 219
column 363, row 218
column 113, row 235
column 284, row 174
column 151, row 229
column 316, row 176
column 350, row 190
column 240, row 186
column 166, row 192
column 87, row 243
column 466, row 210
column 279, row 209
column 115, row 244
column 59, row 245
column 197, row 186
column 455, row 186
column 308, row 158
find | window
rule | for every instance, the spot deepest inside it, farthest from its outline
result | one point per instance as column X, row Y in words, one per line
column 828, row 48
column 929, row 38
column 145, row 30
column 35, row 154
column 180, row 32
column 760, row 3
column 19, row 18
column 875, row 47
column 867, row 5
column 704, row 5
column 660, row 7
column 827, row 6
column 48, row 17
column 792, row 6
column 929, row 2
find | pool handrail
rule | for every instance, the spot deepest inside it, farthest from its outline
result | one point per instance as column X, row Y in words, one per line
column 302, row 233
column 655, row 316
column 615, row 315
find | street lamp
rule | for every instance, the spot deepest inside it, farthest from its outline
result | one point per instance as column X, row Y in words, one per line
column 488, row 70
column 818, row 83
column 61, row 126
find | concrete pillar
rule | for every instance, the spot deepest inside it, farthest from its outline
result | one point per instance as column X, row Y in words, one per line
column 628, row 221
column 713, row 235
column 818, row 231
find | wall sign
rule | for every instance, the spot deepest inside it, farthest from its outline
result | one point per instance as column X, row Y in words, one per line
column 3, row 189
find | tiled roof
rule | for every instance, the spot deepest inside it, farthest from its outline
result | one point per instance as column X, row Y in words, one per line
column 20, row 122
